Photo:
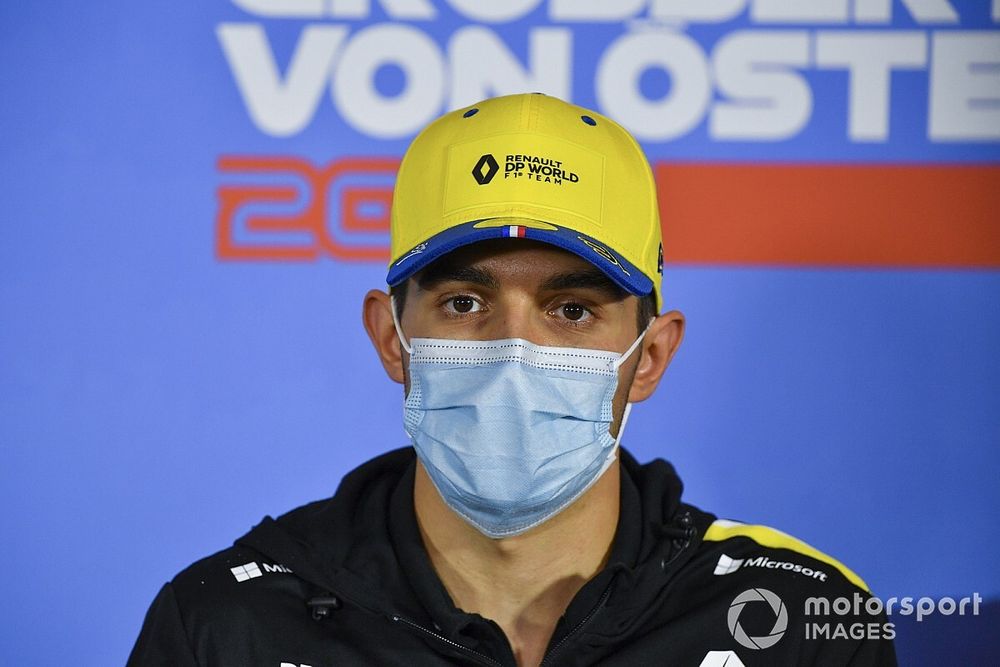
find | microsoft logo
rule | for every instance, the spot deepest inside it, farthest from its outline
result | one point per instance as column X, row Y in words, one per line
column 247, row 571
column 251, row 570
column 727, row 565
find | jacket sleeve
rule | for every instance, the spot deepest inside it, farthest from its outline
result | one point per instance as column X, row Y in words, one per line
column 879, row 652
column 163, row 639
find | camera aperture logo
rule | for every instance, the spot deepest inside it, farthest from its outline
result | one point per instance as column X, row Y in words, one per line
column 780, row 618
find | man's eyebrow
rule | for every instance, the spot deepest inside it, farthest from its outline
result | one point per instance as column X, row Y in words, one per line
column 436, row 274
column 595, row 280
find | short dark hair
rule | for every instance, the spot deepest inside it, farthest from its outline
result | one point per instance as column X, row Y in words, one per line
column 644, row 313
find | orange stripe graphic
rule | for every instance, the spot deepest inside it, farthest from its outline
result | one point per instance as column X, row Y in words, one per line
column 841, row 215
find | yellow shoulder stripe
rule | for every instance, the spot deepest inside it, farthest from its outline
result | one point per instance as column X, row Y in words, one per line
column 769, row 537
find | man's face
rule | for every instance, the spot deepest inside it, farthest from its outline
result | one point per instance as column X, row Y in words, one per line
column 523, row 289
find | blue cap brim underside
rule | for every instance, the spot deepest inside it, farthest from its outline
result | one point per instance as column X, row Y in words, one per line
column 623, row 273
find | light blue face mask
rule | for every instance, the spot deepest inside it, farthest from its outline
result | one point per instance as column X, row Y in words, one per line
column 511, row 433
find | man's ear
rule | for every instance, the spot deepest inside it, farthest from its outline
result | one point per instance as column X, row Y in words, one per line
column 377, row 317
column 658, row 348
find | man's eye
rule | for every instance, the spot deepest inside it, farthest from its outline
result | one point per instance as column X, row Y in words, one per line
column 463, row 305
column 574, row 312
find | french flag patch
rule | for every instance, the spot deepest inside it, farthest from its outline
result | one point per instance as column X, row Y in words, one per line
column 516, row 231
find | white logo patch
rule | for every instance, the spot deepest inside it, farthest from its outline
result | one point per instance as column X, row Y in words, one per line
column 721, row 659
column 727, row 565
column 246, row 571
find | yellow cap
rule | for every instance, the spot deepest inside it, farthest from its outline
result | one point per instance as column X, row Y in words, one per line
column 529, row 166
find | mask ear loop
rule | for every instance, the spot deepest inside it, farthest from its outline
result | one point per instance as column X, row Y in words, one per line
column 615, row 365
column 399, row 330
column 621, row 426
column 632, row 348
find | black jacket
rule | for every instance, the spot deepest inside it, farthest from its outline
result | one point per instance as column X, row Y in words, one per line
column 346, row 581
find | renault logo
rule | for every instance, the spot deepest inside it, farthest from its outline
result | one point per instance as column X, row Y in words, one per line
column 485, row 169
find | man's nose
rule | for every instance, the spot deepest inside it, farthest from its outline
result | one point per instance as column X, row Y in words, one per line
column 520, row 317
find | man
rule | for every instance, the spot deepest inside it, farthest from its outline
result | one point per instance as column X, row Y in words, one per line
column 522, row 322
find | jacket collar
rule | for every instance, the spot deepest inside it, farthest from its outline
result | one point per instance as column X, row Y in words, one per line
column 363, row 545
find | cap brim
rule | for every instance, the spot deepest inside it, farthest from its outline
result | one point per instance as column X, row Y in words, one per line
column 617, row 268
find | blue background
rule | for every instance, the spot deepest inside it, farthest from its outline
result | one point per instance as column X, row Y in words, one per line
column 156, row 402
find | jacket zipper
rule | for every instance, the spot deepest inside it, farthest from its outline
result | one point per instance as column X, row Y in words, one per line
column 579, row 626
column 600, row 603
column 481, row 656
